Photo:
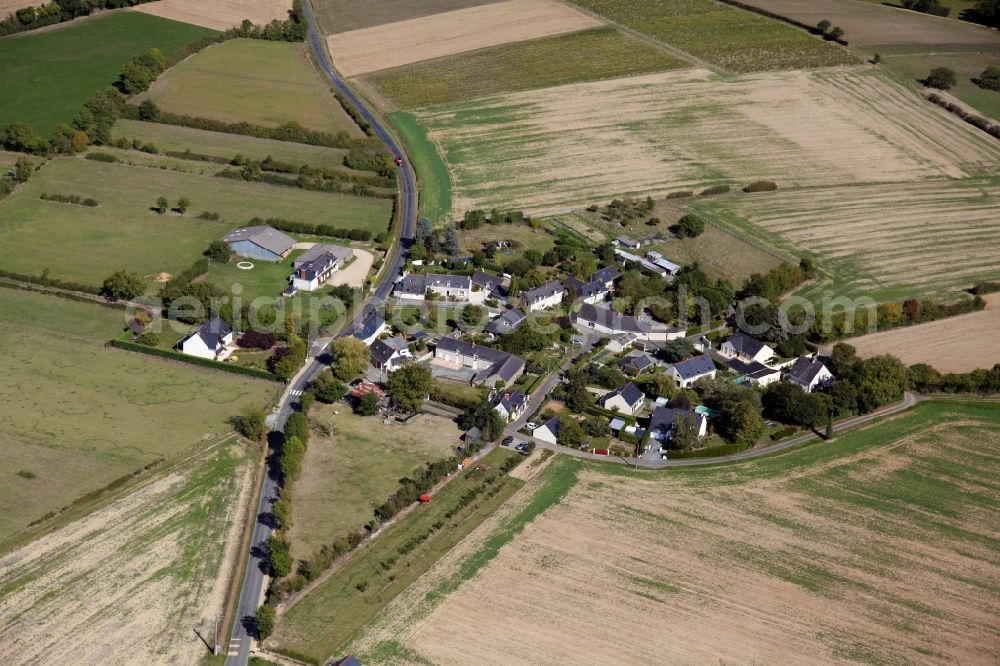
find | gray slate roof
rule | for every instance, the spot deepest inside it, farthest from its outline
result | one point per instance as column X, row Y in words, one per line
column 804, row 370
column 486, row 281
column 263, row 236
column 213, row 330
column 502, row 363
column 611, row 319
column 383, row 350
column 754, row 369
column 605, row 275
column 545, row 291
column 506, row 322
column 511, row 402
column 663, row 418
column 694, row 367
column 316, row 251
column 448, row 281
column 414, row 283
column 630, row 392
column 744, row 344
column 636, row 360
column 369, row 325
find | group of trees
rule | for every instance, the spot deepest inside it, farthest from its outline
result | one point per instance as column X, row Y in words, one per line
column 140, row 71
column 123, row 285
column 163, row 205
column 57, row 11
column 933, row 7
column 409, row 385
column 349, row 358
column 829, row 31
column 19, row 173
column 942, row 78
column 475, row 219
column 427, row 242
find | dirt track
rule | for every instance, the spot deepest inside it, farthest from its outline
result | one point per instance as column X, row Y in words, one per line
column 395, row 44
column 218, row 14
column 956, row 344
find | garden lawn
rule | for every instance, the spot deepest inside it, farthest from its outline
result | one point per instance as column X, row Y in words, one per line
column 589, row 55
column 178, row 139
column 88, row 244
column 357, row 468
column 48, row 75
column 435, row 183
column 723, row 35
column 255, row 81
column 326, row 618
column 79, row 415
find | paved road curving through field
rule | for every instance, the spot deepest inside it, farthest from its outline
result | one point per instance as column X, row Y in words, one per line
column 252, row 588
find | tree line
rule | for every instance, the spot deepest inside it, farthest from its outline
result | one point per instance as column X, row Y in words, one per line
column 57, row 11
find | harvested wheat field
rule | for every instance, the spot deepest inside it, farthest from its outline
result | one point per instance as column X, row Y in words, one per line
column 11, row 6
column 404, row 42
column 955, row 344
column 884, row 241
column 346, row 15
column 585, row 143
column 878, row 548
column 128, row 583
column 218, row 14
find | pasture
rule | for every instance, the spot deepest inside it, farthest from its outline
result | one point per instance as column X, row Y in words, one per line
column 48, row 75
column 356, row 468
column 219, row 14
column 320, row 623
column 956, row 344
column 435, row 182
column 588, row 55
column 132, row 579
column 78, row 415
column 720, row 253
column 345, row 15
column 967, row 66
column 729, row 38
column 178, row 139
column 877, row 548
column 73, row 242
column 255, row 81
column 448, row 33
column 887, row 241
column 653, row 134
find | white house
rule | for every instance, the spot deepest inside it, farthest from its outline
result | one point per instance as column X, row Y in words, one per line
column 744, row 348
column 209, row 341
column 372, row 326
column 491, row 365
column 547, row 296
column 627, row 400
column 591, row 292
column 607, row 275
column 316, row 265
column 592, row 318
column 688, row 372
column 809, row 374
column 389, row 354
column 548, row 431
column 510, row 406
column 754, row 372
column 450, row 287
column 663, row 423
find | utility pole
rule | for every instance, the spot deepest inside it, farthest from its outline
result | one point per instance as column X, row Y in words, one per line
column 215, row 650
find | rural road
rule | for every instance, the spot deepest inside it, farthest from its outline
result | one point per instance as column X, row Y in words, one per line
column 252, row 588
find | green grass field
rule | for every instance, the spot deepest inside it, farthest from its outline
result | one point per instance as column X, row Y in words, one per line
column 73, row 242
column 178, row 139
column 966, row 66
column 261, row 82
column 47, row 76
column 151, row 565
column 78, row 415
column 435, row 183
column 357, row 468
column 882, row 546
column 723, row 35
column 589, row 55
column 332, row 613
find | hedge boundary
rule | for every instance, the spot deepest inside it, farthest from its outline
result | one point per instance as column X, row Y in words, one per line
column 194, row 360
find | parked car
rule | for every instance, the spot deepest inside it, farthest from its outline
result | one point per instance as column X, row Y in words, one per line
column 530, row 425
column 578, row 342
column 524, row 448
column 507, row 441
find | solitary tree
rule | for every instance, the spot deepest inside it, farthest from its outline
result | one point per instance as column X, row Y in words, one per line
column 941, row 78
column 989, row 79
column 23, row 169
column 264, row 621
column 367, row 405
column 835, row 34
column 218, row 252
column 123, row 285
column 162, row 205
column 182, row 205
column 350, row 357
column 409, row 385
column 690, row 226
column 829, row 426
column 823, row 26
column 451, row 244
column 250, row 423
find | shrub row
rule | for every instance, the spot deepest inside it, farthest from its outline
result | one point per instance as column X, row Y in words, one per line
column 47, row 281
column 761, row 186
column 271, row 164
column 985, row 288
column 926, row 379
column 70, row 199
column 682, row 194
column 709, row 452
column 297, row 227
column 984, row 124
column 715, row 189
column 30, row 18
column 101, row 157
column 316, row 184
column 194, row 360
column 778, row 17
column 354, row 114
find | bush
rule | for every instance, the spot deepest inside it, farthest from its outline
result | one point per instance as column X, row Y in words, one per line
column 690, row 226
column 715, row 189
column 761, row 186
column 69, row 199
column 941, row 78
column 264, row 621
column 989, row 79
column 683, row 194
column 218, row 252
column 782, row 433
column 149, row 339
column 206, row 215
column 101, row 157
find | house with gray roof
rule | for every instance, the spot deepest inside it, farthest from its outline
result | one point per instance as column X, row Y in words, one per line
column 506, row 322
column 260, row 242
column 754, row 372
column 510, row 405
column 636, row 362
column 809, row 374
column 591, row 292
column 390, row 354
column 312, row 272
column 593, row 318
column 688, row 372
column 372, row 326
column 490, row 365
column 211, row 340
column 548, row 431
column 741, row 346
column 629, row 399
column 546, row 296
column 491, row 284
column 663, row 423
column 607, row 275
column 445, row 285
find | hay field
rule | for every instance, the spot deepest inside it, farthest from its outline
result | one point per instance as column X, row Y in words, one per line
column 48, row 75
column 78, row 415
column 218, row 14
column 884, row 241
column 955, row 344
column 727, row 37
column 871, row 26
column 344, row 15
column 405, row 42
column 584, row 143
column 128, row 583
column 357, row 468
column 879, row 548
column 588, row 55
column 72, row 241
column 251, row 80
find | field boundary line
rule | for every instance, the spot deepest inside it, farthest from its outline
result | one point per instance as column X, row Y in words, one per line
column 651, row 41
